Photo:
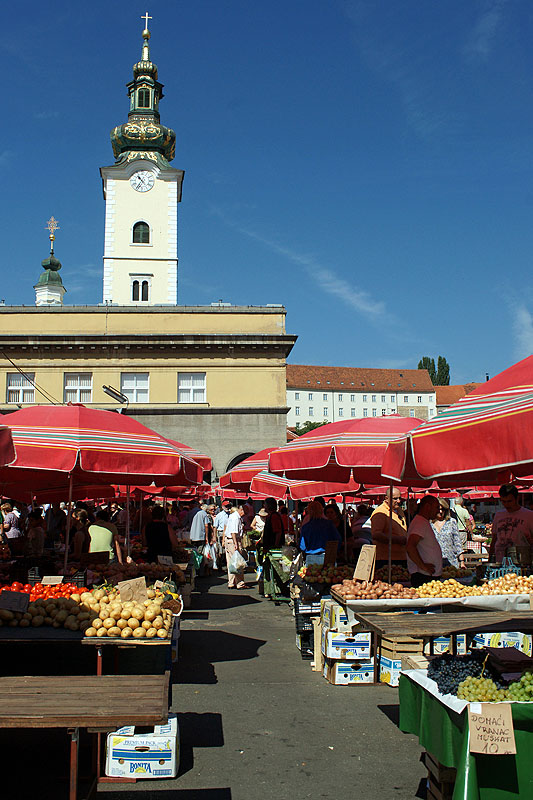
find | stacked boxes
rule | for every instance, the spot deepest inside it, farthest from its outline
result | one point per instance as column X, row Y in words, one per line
column 304, row 611
column 522, row 641
column 442, row 645
column 346, row 652
column 144, row 755
column 392, row 653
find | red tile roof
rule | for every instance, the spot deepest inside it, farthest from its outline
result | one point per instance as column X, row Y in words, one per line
column 446, row 395
column 357, row 379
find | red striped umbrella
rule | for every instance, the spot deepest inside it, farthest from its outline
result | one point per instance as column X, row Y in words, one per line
column 340, row 451
column 485, row 438
column 277, row 486
column 240, row 477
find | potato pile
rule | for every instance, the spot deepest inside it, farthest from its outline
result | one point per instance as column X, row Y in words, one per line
column 97, row 613
column 110, row 616
column 373, row 590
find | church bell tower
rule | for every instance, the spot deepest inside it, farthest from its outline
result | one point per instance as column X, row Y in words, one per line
column 142, row 192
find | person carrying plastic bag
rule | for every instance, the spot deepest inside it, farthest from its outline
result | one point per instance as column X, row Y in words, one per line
column 233, row 545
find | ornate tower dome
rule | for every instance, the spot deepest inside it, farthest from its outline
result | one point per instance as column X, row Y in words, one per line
column 49, row 289
column 143, row 136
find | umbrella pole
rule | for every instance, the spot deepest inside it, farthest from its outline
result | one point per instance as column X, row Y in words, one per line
column 390, row 533
column 69, row 520
column 128, row 520
column 345, row 527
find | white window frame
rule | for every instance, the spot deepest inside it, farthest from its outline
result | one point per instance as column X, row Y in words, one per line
column 325, row 412
column 365, row 412
column 141, row 244
column 352, row 412
column 136, row 276
column 411, row 412
column 310, row 395
column 77, row 391
column 133, row 393
column 374, row 412
column 352, row 398
column 297, row 411
column 374, row 398
column 325, row 396
column 296, row 395
column 341, row 412
column 188, row 393
column 419, row 398
column 311, row 411
column 365, row 398
column 19, row 388
column 405, row 398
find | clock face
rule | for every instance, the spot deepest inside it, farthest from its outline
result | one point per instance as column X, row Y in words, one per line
column 142, row 181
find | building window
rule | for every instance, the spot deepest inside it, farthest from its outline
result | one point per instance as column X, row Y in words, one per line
column 135, row 386
column 374, row 412
column 411, row 412
column 341, row 412
column 325, row 412
column 310, row 396
column 383, row 412
column 296, row 395
column 340, row 398
column 365, row 412
column 365, row 398
column 141, row 233
column 191, row 387
column 324, row 396
column 392, row 398
column 373, row 398
column 405, row 399
column 143, row 98
column 20, row 388
column 383, row 398
column 352, row 412
column 78, row 387
column 352, row 398
column 311, row 411
column 297, row 411
column 140, row 288
column 419, row 398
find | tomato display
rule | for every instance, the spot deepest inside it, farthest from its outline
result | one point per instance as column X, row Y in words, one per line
column 43, row 591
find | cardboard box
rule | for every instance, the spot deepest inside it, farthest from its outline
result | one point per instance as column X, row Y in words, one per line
column 442, row 645
column 333, row 617
column 389, row 670
column 522, row 641
column 345, row 646
column 144, row 755
column 344, row 673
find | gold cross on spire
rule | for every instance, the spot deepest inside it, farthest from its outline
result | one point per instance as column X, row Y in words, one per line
column 52, row 226
column 146, row 18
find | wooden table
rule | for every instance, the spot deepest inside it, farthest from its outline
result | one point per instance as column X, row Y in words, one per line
column 96, row 702
column 430, row 626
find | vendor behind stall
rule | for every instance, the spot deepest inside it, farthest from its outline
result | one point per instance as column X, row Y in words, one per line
column 316, row 533
column 380, row 521
column 104, row 537
column 424, row 556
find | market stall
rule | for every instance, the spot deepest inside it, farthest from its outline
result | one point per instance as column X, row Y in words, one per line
column 441, row 724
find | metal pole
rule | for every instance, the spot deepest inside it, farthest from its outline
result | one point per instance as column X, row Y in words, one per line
column 345, row 527
column 128, row 520
column 390, row 533
column 69, row 520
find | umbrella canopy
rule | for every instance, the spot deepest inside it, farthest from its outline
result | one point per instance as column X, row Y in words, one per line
column 97, row 492
column 53, row 442
column 191, row 452
column 277, row 486
column 340, row 451
column 485, row 438
column 7, row 448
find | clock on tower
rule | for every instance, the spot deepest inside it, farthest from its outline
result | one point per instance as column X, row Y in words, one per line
column 142, row 191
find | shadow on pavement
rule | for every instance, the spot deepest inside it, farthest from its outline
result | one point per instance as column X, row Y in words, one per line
column 200, row 649
column 392, row 712
column 179, row 794
column 233, row 599
column 197, row 730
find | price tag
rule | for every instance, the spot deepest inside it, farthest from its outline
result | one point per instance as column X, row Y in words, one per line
column 166, row 561
column 14, row 601
column 52, row 580
column 135, row 590
column 330, row 554
column 159, row 585
column 491, row 729
column 364, row 570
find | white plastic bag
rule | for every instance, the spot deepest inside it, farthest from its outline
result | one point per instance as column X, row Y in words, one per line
column 237, row 563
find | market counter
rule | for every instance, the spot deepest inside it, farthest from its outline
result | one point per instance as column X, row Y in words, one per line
column 442, row 729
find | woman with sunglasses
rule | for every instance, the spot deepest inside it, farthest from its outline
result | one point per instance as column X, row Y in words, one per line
column 447, row 535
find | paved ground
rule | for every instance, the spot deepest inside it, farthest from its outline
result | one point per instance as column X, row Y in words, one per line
column 256, row 722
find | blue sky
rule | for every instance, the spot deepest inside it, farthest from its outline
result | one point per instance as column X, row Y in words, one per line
column 367, row 164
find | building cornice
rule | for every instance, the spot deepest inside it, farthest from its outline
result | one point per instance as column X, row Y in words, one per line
column 160, row 309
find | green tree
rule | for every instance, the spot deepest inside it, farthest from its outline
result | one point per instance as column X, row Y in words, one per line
column 443, row 372
column 429, row 364
column 308, row 426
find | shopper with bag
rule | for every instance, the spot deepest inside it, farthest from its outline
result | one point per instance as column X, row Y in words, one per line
column 233, row 544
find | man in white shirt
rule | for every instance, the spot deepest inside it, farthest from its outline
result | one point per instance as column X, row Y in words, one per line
column 221, row 519
column 424, row 556
column 232, row 542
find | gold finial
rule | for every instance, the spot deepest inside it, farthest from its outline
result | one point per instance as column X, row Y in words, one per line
column 146, row 18
column 52, row 226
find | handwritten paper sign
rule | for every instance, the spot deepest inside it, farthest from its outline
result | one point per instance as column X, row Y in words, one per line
column 135, row 590
column 14, row 601
column 364, row 570
column 52, row 580
column 166, row 561
column 159, row 585
column 330, row 554
column 491, row 729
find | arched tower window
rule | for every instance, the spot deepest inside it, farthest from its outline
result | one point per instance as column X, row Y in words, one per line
column 135, row 290
column 141, row 233
column 144, row 291
column 143, row 98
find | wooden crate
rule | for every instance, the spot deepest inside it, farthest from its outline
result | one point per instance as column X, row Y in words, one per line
column 441, row 779
column 395, row 648
column 414, row 661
